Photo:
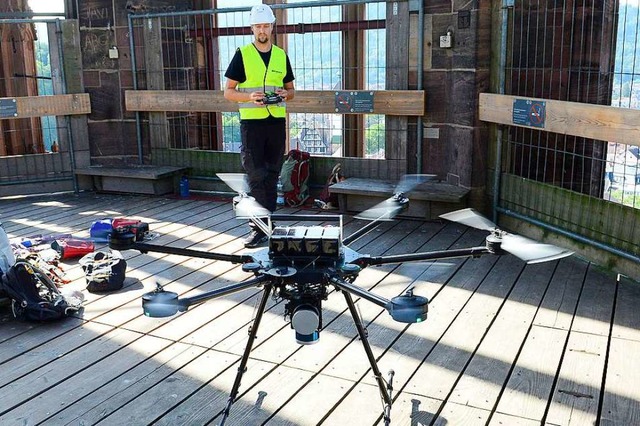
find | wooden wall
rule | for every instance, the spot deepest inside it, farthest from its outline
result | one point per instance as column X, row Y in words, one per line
column 103, row 25
column 17, row 61
column 455, row 141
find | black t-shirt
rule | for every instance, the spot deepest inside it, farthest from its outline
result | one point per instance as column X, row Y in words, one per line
column 236, row 67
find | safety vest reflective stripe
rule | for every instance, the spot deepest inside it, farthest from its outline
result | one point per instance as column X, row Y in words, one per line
column 253, row 105
column 263, row 79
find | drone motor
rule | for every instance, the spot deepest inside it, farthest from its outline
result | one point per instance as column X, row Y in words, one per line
column 409, row 308
column 160, row 303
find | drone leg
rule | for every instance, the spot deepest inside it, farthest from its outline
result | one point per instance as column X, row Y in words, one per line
column 385, row 387
column 253, row 330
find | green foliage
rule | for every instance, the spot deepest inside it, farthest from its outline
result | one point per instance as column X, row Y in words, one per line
column 231, row 128
column 374, row 138
column 625, row 198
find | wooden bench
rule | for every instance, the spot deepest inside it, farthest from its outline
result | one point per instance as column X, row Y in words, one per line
column 154, row 180
column 427, row 200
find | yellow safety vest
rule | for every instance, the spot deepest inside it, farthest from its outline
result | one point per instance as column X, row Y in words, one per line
column 262, row 79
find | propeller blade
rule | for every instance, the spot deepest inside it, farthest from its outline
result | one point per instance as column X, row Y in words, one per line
column 236, row 181
column 470, row 217
column 532, row 251
column 248, row 208
column 408, row 182
column 389, row 208
column 386, row 210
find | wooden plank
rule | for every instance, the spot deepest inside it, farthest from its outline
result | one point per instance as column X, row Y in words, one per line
column 577, row 392
column 37, row 409
column 570, row 118
column 389, row 102
column 621, row 402
column 109, row 397
column 40, row 106
column 527, row 392
column 483, row 379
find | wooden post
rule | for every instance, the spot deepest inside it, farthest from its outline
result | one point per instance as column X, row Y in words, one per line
column 397, row 75
column 72, row 59
column 353, row 79
column 155, row 80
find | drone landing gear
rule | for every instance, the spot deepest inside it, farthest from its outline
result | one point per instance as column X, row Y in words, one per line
column 385, row 386
column 245, row 356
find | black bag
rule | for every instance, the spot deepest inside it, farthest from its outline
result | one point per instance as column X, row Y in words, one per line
column 34, row 297
column 104, row 271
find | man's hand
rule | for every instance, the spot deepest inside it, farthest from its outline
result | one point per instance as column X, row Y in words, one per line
column 283, row 93
column 256, row 97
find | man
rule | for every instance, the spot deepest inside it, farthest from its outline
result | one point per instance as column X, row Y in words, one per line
column 256, row 69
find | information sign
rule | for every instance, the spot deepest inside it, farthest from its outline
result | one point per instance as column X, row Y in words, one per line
column 529, row 113
column 8, row 108
column 354, row 101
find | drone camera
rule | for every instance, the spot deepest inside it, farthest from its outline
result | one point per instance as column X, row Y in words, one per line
column 271, row 98
column 306, row 323
column 306, row 318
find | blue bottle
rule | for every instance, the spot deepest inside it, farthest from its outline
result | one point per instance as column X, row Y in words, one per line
column 184, row 186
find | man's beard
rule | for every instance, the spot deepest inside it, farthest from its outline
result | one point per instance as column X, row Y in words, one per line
column 262, row 38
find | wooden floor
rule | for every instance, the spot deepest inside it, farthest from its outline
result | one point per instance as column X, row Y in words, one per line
column 505, row 343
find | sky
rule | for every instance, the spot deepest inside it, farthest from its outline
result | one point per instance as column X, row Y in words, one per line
column 43, row 6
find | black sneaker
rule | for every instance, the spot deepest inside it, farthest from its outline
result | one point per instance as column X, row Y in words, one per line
column 254, row 239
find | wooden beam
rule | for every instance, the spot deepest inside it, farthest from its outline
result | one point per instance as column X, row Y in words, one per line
column 591, row 121
column 388, row 102
column 40, row 106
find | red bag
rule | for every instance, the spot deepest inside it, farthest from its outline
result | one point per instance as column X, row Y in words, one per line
column 135, row 226
column 295, row 177
column 70, row 248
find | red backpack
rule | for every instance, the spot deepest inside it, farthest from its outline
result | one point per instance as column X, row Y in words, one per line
column 295, row 176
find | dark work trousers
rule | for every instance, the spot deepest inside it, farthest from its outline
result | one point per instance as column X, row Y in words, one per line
column 262, row 154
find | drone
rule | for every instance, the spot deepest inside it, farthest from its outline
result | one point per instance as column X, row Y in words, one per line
column 301, row 265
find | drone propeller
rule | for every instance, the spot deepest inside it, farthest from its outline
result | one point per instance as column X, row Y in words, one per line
column 389, row 208
column 524, row 248
column 245, row 206
column 471, row 218
column 236, row 181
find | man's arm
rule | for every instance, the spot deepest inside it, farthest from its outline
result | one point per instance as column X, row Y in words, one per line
column 232, row 94
column 287, row 92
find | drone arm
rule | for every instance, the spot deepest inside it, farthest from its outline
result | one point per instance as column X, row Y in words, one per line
column 126, row 244
column 358, row 291
column 431, row 255
column 260, row 225
column 360, row 232
column 185, row 302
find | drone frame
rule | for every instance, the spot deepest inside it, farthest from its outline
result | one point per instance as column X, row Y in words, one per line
column 322, row 263
column 272, row 278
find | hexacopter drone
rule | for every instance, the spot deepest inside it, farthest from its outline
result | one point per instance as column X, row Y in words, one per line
column 302, row 263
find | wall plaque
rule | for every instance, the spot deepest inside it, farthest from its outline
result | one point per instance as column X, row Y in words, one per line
column 354, row 101
column 8, row 108
column 529, row 113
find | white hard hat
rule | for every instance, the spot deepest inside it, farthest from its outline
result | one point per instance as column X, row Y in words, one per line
column 261, row 14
